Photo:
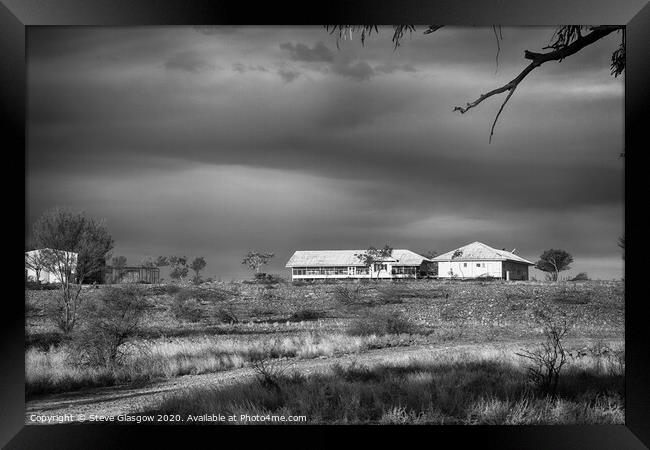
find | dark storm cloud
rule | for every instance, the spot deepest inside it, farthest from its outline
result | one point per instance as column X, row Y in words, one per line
column 300, row 145
column 392, row 67
column 302, row 52
column 288, row 75
column 243, row 68
column 340, row 65
column 189, row 61
column 356, row 70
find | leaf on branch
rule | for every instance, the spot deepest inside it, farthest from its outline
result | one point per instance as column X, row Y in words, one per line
column 344, row 32
column 432, row 28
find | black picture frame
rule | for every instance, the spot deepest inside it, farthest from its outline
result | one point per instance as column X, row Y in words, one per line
column 16, row 15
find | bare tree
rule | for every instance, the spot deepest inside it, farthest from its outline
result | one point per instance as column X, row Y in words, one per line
column 148, row 262
column 565, row 41
column 374, row 258
column 36, row 261
column 119, row 262
column 179, row 267
column 73, row 247
column 161, row 261
column 197, row 266
column 549, row 358
column 458, row 254
column 554, row 261
column 255, row 260
column 113, row 319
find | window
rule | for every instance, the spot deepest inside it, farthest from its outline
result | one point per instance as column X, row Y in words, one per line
column 464, row 264
column 321, row 271
column 404, row 270
column 380, row 267
column 478, row 264
column 362, row 271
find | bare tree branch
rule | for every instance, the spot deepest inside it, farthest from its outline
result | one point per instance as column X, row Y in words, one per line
column 512, row 91
column 496, row 36
column 537, row 59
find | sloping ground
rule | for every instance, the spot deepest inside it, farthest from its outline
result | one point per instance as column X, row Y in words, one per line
column 115, row 401
column 493, row 308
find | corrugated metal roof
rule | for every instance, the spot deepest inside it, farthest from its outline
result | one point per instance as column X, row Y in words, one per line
column 316, row 258
column 479, row 251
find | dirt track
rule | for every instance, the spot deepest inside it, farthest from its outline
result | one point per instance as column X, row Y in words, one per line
column 118, row 400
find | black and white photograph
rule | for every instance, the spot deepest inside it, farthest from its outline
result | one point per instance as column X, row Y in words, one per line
column 325, row 225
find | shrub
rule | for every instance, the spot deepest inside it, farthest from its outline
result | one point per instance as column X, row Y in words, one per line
column 438, row 293
column 390, row 295
column 380, row 324
column 268, row 278
column 572, row 297
column 346, row 295
column 269, row 374
column 616, row 361
column 257, row 311
column 59, row 312
column 266, row 296
column 43, row 341
column 31, row 309
column 227, row 315
column 547, row 360
column 582, row 276
column 215, row 294
column 162, row 289
column 34, row 286
column 306, row 314
column 112, row 320
column 186, row 306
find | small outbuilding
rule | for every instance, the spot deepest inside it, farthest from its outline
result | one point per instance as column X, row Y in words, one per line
column 477, row 260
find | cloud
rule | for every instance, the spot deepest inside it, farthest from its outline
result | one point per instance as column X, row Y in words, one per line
column 390, row 67
column 301, row 52
column 337, row 63
column 345, row 157
column 355, row 70
column 242, row 68
column 211, row 30
column 288, row 75
column 189, row 61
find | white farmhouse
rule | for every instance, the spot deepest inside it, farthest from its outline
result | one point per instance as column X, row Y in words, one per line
column 337, row 264
column 36, row 266
column 477, row 260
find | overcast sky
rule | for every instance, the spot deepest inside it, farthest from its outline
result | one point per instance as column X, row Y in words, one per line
column 212, row 141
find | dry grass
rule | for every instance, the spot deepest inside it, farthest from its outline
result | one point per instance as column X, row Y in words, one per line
column 282, row 325
column 53, row 370
column 449, row 388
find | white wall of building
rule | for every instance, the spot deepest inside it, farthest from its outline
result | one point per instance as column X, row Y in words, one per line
column 44, row 276
column 469, row 269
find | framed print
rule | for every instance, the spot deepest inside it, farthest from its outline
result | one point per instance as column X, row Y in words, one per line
column 259, row 215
